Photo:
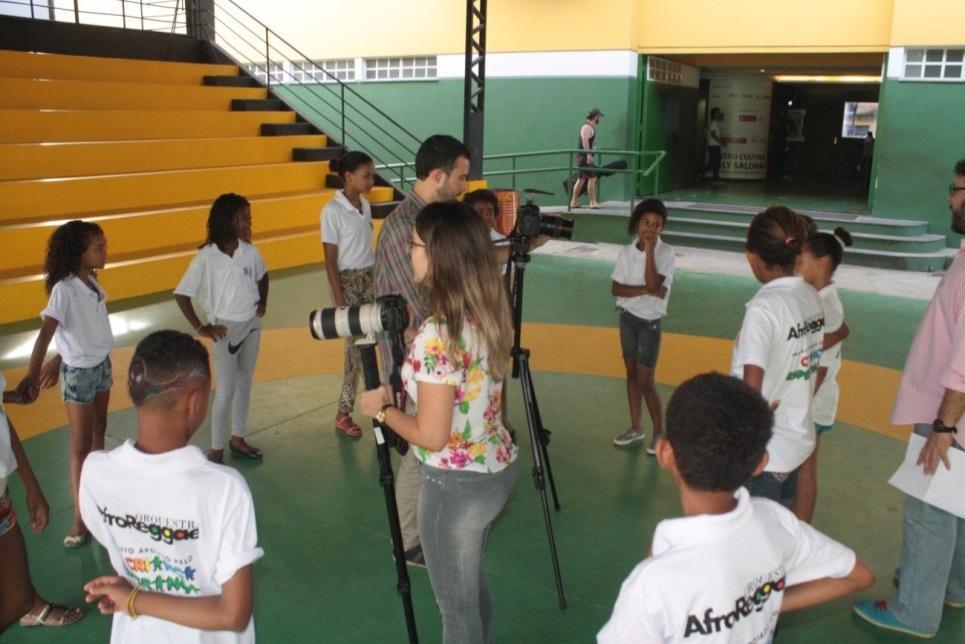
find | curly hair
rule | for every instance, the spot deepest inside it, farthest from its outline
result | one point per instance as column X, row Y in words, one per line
column 221, row 229
column 65, row 248
column 778, row 234
column 655, row 206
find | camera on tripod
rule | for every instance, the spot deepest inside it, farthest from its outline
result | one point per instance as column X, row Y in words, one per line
column 388, row 313
column 530, row 223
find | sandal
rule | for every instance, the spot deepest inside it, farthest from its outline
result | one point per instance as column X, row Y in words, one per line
column 345, row 424
column 248, row 451
column 68, row 616
column 215, row 455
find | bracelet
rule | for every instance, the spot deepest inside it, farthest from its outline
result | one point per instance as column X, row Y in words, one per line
column 130, row 602
column 380, row 417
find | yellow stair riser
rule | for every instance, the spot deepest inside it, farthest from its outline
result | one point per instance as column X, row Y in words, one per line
column 155, row 275
column 40, row 160
column 23, row 246
column 34, row 126
column 24, row 93
column 39, row 199
column 18, row 64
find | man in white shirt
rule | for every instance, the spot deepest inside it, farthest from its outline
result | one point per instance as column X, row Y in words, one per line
column 727, row 569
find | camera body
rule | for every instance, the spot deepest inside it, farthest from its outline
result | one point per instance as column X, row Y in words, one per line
column 387, row 313
column 530, row 223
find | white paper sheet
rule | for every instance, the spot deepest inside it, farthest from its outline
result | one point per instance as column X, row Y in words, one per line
column 944, row 489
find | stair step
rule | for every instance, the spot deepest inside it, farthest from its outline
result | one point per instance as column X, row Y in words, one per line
column 45, row 160
column 42, row 126
column 927, row 261
column 317, row 154
column 852, row 222
column 32, row 93
column 258, row 105
column 287, row 129
column 230, row 81
column 32, row 200
column 862, row 241
column 20, row 64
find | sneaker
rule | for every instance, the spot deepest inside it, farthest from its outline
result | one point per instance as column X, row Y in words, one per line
column 629, row 436
column 877, row 613
column 414, row 556
column 951, row 603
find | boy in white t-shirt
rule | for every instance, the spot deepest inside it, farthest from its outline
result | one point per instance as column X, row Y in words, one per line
column 727, row 569
column 180, row 530
column 641, row 284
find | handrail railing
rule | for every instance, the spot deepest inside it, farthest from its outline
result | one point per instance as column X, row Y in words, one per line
column 636, row 169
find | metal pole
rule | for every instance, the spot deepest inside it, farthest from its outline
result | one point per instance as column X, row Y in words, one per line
column 76, row 13
column 31, row 9
column 267, row 60
column 141, row 2
column 475, row 84
column 123, row 13
column 342, row 107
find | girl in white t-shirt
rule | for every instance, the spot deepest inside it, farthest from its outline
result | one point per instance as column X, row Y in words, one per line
column 349, row 261
column 453, row 374
column 818, row 260
column 778, row 349
column 641, row 283
column 76, row 319
column 229, row 277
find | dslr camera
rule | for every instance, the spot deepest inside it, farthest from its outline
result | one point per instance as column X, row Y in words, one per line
column 530, row 223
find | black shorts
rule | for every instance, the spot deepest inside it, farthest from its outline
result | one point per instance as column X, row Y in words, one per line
column 639, row 339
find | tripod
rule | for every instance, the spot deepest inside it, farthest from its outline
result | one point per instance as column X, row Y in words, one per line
column 539, row 436
column 383, row 437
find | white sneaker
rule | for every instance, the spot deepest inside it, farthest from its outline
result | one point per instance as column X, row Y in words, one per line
column 629, row 436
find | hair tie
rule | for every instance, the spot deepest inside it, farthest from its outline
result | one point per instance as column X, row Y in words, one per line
column 790, row 240
column 840, row 241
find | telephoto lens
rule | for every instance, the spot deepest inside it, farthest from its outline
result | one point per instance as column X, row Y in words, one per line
column 530, row 223
column 388, row 313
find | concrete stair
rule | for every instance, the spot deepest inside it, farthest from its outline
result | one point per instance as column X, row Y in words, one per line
column 142, row 148
column 879, row 242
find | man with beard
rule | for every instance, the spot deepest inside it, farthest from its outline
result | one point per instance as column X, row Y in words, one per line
column 442, row 173
column 932, row 396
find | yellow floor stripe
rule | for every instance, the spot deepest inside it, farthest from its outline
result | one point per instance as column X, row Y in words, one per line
column 868, row 391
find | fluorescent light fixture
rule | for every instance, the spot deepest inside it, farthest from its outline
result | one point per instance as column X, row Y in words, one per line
column 842, row 78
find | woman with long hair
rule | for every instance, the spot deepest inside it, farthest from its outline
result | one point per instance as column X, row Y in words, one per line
column 454, row 373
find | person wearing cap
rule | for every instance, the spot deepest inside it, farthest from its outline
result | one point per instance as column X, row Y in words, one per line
column 585, row 160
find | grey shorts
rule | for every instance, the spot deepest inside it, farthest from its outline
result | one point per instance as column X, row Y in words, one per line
column 81, row 385
column 780, row 487
column 639, row 339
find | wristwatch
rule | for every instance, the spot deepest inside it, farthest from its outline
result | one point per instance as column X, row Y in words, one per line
column 941, row 428
column 380, row 417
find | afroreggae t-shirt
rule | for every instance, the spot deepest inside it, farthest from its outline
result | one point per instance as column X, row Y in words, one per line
column 721, row 577
column 173, row 523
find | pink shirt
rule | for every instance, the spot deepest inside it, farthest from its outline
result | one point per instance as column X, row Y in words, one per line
column 936, row 360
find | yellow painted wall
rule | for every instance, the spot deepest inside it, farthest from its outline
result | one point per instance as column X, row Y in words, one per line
column 711, row 26
column 928, row 22
column 361, row 28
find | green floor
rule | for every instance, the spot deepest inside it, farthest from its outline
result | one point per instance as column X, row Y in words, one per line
column 798, row 193
column 327, row 575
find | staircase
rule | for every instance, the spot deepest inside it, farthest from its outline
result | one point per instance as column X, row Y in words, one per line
column 878, row 242
column 142, row 148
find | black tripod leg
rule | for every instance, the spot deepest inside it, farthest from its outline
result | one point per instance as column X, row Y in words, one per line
column 539, row 458
column 544, row 437
column 370, row 372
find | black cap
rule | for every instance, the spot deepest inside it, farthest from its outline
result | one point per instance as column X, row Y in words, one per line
column 594, row 112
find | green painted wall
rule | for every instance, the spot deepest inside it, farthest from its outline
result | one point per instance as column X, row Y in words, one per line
column 669, row 121
column 522, row 115
column 920, row 137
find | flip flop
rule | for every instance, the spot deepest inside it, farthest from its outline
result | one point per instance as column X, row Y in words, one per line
column 215, row 455
column 68, row 616
column 347, row 426
column 595, row 206
column 72, row 541
column 252, row 452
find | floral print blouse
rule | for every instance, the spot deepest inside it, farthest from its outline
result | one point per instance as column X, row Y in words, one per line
column 478, row 442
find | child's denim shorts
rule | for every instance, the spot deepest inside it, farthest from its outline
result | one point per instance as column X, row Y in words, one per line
column 81, row 385
column 8, row 518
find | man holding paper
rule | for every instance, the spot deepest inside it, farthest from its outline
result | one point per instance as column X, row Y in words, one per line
column 932, row 397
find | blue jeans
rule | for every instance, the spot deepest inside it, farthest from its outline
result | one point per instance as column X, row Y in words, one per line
column 932, row 562
column 455, row 511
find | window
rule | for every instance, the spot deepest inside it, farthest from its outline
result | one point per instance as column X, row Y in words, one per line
column 664, row 71
column 934, row 64
column 859, row 119
column 343, row 70
column 401, row 68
